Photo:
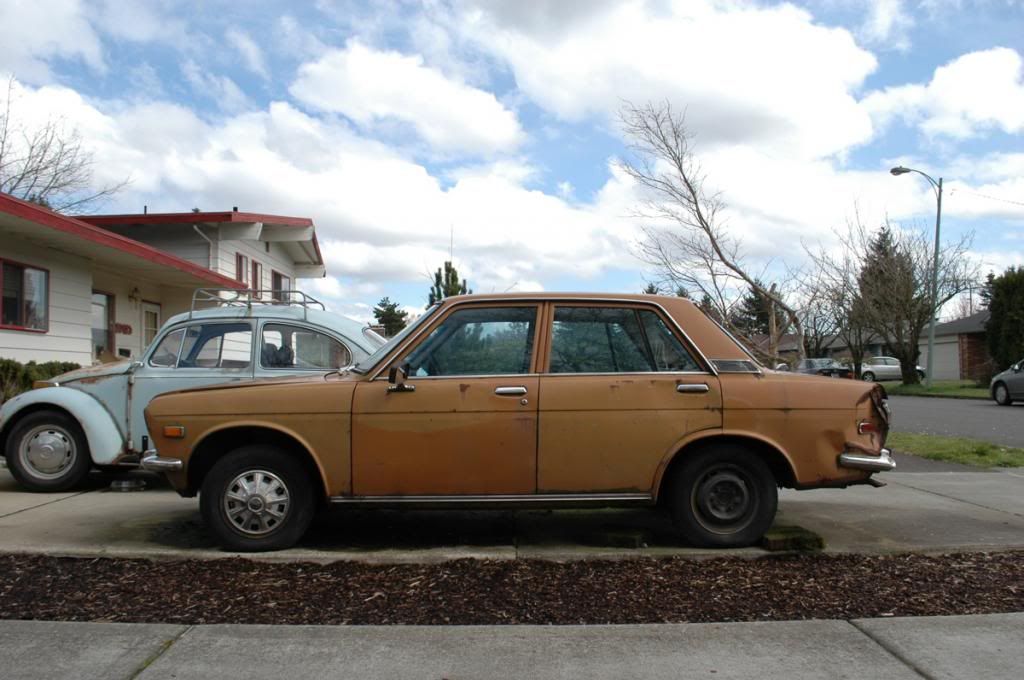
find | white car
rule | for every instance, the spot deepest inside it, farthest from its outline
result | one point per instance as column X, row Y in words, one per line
column 52, row 436
column 884, row 368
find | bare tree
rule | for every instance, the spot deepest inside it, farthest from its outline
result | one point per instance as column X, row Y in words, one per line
column 881, row 283
column 696, row 251
column 46, row 163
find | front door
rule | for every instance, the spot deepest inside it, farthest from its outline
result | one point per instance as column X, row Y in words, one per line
column 465, row 422
column 620, row 393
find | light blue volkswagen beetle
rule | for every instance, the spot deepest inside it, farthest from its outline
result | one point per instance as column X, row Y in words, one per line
column 53, row 436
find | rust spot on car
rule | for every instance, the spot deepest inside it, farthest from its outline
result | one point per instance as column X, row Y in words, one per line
column 463, row 387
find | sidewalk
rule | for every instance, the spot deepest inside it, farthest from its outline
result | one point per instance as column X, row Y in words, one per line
column 990, row 647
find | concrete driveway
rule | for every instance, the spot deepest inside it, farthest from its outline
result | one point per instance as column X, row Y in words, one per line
column 926, row 511
column 974, row 418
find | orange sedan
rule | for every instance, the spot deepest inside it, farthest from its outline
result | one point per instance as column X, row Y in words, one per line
column 540, row 400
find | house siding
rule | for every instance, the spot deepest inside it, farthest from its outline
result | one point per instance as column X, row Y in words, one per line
column 277, row 260
column 975, row 362
column 182, row 241
column 70, row 284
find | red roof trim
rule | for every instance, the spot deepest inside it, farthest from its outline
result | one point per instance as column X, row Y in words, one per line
column 77, row 227
column 203, row 218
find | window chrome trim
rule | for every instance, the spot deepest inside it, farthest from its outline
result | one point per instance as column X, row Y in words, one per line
column 582, row 302
column 499, row 498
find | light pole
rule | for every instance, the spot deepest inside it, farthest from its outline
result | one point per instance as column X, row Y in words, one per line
column 937, row 187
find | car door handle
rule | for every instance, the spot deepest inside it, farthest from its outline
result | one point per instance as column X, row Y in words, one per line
column 697, row 388
column 510, row 391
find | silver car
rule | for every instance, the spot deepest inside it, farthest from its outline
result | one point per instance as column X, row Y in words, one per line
column 884, row 368
column 1008, row 385
column 52, row 436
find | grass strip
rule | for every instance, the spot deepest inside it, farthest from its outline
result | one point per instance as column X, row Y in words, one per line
column 956, row 450
column 953, row 389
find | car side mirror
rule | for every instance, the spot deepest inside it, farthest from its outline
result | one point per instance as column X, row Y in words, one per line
column 397, row 376
column 1017, row 368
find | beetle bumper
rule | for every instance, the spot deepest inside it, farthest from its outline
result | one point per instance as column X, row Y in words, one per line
column 153, row 462
column 859, row 461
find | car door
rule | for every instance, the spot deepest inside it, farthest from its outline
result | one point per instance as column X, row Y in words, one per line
column 1015, row 380
column 192, row 355
column 464, row 422
column 621, row 389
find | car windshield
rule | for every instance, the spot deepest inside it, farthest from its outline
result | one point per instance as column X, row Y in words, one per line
column 375, row 358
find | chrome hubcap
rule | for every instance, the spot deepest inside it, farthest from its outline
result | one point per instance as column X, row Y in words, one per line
column 256, row 502
column 1000, row 393
column 723, row 499
column 47, row 451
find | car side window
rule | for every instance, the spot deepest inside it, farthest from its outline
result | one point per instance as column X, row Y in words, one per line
column 669, row 354
column 294, row 347
column 475, row 341
column 166, row 353
column 224, row 345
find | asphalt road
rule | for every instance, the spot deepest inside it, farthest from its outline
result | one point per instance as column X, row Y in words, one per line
column 974, row 418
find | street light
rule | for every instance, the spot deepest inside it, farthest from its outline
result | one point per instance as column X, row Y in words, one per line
column 937, row 188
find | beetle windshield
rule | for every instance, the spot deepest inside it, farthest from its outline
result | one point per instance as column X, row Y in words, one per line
column 385, row 349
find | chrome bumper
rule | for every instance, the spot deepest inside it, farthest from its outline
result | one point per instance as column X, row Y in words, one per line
column 860, row 461
column 154, row 463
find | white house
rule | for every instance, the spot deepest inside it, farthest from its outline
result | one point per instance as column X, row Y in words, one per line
column 98, row 287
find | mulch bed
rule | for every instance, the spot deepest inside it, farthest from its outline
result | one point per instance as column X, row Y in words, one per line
column 782, row 587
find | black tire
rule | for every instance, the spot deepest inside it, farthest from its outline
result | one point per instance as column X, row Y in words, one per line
column 47, row 451
column 1001, row 394
column 723, row 496
column 867, row 376
column 255, row 528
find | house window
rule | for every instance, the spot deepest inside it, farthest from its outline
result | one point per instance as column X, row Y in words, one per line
column 102, row 324
column 280, row 282
column 241, row 267
column 24, row 292
column 257, row 275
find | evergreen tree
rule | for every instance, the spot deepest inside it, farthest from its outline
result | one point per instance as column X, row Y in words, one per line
column 390, row 316
column 446, row 284
column 1005, row 327
column 651, row 289
column 986, row 291
column 683, row 293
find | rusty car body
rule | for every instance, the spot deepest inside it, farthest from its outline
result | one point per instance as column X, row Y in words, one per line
column 535, row 399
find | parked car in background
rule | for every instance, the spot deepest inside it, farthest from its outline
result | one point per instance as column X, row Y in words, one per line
column 524, row 400
column 826, row 367
column 1008, row 385
column 884, row 368
column 52, row 436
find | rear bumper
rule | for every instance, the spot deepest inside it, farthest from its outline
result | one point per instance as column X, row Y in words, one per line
column 155, row 463
column 883, row 462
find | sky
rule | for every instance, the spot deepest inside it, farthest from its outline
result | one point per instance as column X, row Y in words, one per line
column 486, row 130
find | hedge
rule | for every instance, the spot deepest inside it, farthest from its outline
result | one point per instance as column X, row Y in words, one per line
column 16, row 377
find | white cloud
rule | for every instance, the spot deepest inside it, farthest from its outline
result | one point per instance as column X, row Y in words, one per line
column 252, row 55
column 221, row 89
column 35, row 31
column 371, row 86
column 887, row 25
column 972, row 94
column 744, row 73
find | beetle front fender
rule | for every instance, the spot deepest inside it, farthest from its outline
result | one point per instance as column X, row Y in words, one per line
column 106, row 442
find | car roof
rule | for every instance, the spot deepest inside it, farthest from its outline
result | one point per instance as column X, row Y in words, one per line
column 348, row 328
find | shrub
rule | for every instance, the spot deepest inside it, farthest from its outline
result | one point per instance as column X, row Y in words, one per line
column 16, row 377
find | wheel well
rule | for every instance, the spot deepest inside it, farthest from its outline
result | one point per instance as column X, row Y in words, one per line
column 214, row 447
column 777, row 463
column 29, row 410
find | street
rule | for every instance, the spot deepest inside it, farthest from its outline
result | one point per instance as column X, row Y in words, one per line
column 973, row 418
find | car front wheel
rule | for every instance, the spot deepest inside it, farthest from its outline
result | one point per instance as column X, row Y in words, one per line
column 867, row 376
column 47, row 451
column 1001, row 394
column 257, row 498
column 723, row 497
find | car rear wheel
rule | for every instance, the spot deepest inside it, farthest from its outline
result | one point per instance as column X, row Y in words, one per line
column 1001, row 394
column 867, row 376
column 47, row 451
column 723, row 497
column 257, row 498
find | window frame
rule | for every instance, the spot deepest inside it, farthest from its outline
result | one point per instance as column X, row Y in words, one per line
column 311, row 329
column 256, row 272
column 111, row 316
column 412, row 344
column 274, row 290
column 241, row 267
column 197, row 322
column 689, row 346
column 46, row 273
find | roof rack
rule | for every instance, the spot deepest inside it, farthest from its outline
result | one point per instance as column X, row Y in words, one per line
column 233, row 297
